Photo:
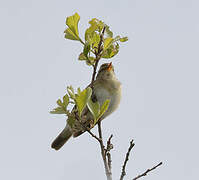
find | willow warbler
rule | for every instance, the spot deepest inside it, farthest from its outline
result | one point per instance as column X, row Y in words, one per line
column 106, row 86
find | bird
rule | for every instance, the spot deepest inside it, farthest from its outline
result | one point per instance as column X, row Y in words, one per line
column 106, row 86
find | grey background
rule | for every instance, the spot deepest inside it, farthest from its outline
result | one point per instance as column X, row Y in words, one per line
column 158, row 68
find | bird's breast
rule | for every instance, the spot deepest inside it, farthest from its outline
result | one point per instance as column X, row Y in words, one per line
column 112, row 91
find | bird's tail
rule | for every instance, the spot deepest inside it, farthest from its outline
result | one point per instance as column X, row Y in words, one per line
column 62, row 138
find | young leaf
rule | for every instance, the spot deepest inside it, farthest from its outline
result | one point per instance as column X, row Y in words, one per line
column 78, row 91
column 94, row 108
column 124, row 39
column 117, row 38
column 95, row 40
column 111, row 51
column 108, row 32
column 104, row 108
column 82, row 99
column 82, row 57
column 86, row 50
column 72, row 31
column 65, row 101
column 71, row 92
column 107, row 42
column 58, row 110
column 59, row 103
column 89, row 60
column 95, row 25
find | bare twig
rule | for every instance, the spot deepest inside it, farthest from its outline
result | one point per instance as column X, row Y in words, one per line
column 147, row 171
column 85, row 127
column 108, row 173
column 98, row 54
column 126, row 160
column 109, row 146
column 109, row 161
column 93, row 135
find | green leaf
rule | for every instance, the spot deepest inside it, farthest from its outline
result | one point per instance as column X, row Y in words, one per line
column 78, row 91
column 124, row 39
column 82, row 99
column 89, row 60
column 86, row 50
column 82, row 57
column 111, row 51
column 104, row 108
column 65, row 101
column 108, row 32
column 118, row 38
column 71, row 92
column 58, row 110
column 94, row 108
column 95, row 40
column 95, row 25
column 107, row 42
column 59, row 103
column 72, row 31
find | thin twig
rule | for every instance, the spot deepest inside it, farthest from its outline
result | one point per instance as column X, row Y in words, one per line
column 84, row 127
column 98, row 56
column 147, row 171
column 108, row 173
column 126, row 160
column 93, row 135
column 109, row 146
column 109, row 161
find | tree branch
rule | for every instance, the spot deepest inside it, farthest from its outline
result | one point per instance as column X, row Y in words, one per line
column 109, row 146
column 93, row 135
column 147, row 171
column 107, row 170
column 126, row 160
column 98, row 56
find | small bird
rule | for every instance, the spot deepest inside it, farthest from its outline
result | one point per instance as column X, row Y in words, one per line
column 106, row 86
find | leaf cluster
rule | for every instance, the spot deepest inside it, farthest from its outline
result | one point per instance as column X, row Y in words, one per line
column 81, row 99
column 92, row 37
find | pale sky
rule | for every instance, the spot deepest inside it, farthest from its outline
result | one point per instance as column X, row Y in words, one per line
column 158, row 69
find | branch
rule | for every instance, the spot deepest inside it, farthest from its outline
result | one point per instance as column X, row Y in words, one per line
column 85, row 127
column 109, row 146
column 126, row 160
column 93, row 135
column 98, row 56
column 107, row 170
column 147, row 171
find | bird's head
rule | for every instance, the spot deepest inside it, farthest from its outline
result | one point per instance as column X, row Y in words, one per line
column 106, row 71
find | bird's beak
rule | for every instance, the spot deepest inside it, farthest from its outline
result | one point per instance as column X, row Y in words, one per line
column 110, row 66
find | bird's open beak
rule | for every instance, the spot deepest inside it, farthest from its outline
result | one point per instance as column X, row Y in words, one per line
column 110, row 66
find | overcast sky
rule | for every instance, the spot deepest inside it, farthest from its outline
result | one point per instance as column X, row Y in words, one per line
column 158, row 68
